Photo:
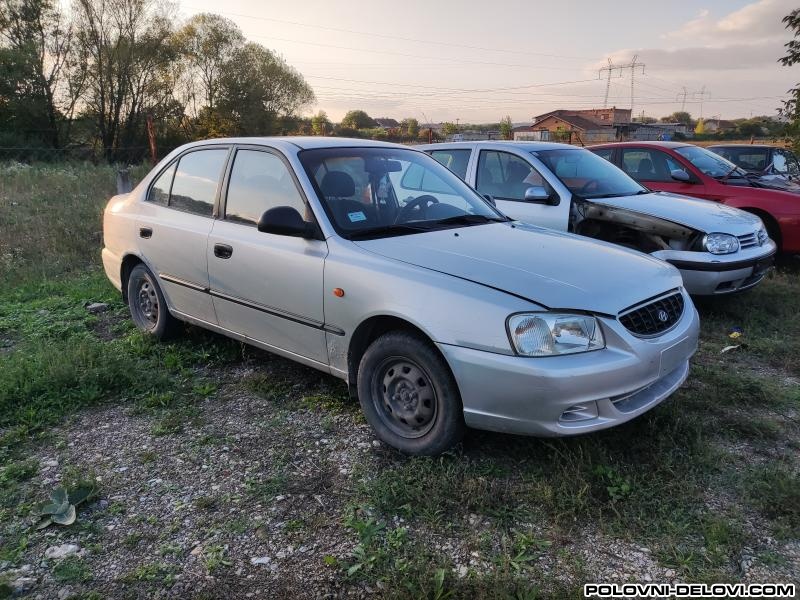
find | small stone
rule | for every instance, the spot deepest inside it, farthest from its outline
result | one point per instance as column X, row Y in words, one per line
column 376, row 444
column 56, row 552
column 97, row 307
column 462, row 571
column 22, row 584
column 51, row 463
column 65, row 593
column 260, row 560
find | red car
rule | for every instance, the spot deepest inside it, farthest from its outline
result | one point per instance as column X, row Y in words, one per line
column 690, row 170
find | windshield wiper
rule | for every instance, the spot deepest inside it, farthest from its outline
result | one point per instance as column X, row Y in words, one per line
column 469, row 220
column 396, row 229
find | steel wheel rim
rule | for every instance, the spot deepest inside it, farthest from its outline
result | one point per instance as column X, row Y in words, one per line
column 146, row 302
column 404, row 397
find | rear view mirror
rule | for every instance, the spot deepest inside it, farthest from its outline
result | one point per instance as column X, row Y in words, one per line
column 379, row 166
column 490, row 199
column 680, row 175
column 285, row 220
column 540, row 195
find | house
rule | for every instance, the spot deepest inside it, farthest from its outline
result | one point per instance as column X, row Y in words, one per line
column 569, row 127
column 657, row 131
column 386, row 123
column 610, row 116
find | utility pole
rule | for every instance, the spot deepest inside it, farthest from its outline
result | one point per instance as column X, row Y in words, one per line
column 633, row 65
column 702, row 96
column 682, row 95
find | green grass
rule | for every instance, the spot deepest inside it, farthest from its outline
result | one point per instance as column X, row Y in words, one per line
column 72, row 569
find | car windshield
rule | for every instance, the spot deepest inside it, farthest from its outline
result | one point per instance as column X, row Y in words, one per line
column 748, row 158
column 709, row 163
column 587, row 175
column 379, row 192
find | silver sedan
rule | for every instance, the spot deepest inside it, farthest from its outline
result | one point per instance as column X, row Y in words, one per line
column 436, row 309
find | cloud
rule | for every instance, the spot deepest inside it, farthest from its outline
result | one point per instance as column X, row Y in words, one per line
column 756, row 22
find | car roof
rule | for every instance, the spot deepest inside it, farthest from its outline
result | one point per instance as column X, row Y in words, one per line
column 499, row 144
column 743, row 146
column 293, row 143
column 643, row 143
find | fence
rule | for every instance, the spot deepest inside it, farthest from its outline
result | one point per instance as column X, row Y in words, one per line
column 95, row 154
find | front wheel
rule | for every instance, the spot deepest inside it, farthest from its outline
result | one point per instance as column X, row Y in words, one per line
column 147, row 304
column 409, row 395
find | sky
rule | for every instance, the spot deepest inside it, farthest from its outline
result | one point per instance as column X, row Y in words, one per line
column 476, row 62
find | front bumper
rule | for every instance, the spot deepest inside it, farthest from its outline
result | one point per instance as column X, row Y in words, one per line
column 536, row 396
column 706, row 274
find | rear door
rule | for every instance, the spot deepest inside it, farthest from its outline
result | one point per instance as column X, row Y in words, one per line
column 267, row 287
column 505, row 176
column 652, row 168
column 174, row 224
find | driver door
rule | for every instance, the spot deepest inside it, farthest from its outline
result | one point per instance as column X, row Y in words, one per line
column 506, row 176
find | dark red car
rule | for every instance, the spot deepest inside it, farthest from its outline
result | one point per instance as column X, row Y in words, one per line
column 690, row 170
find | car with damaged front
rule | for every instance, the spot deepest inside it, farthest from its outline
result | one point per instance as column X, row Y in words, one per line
column 437, row 310
column 718, row 249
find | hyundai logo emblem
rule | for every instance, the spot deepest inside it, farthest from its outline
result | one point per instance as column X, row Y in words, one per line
column 663, row 316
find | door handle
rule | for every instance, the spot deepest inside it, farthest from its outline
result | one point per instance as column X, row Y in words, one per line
column 222, row 250
column 146, row 232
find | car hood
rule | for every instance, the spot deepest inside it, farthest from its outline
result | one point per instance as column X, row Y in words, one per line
column 770, row 182
column 701, row 215
column 554, row 269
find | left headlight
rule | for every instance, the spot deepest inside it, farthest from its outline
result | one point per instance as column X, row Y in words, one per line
column 551, row 334
column 721, row 243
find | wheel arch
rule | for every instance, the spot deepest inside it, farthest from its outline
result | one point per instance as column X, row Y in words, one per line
column 129, row 261
column 367, row 332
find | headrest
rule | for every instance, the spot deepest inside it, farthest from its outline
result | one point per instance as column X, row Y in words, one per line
column 337, row 184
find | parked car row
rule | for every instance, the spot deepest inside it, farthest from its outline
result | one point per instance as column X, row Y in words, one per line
column 470, row 294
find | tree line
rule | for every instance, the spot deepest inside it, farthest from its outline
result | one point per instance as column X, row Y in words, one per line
column 112, row 75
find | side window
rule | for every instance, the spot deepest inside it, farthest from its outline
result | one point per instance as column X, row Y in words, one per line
column 418, row 178
column 159, row 191
column 196, row 180
column 606, row 153
column 792, row 165
column 455, row 160
column 779, row 163
column 259, row 181
column 648, row 165
column 506, row 176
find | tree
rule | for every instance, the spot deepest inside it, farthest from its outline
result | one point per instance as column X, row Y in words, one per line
column 680, row 116
column 449, row 128
column 124, row 48
column 357, row 119
column 410, row 127
column 258, row 87
column 320, row 124
column 207, row 42
column 35, row 65
column 791, row 107
column 505, row 128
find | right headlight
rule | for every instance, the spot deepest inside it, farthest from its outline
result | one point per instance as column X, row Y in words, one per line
column 551, row 334
column 721, row 243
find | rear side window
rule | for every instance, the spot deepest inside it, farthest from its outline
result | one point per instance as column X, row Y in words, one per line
column 259, row 181
column 159, row 191
column 196, row 179
column 606, row 153
column 455, row 160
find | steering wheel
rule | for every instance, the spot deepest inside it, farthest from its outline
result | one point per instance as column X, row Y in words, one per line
column 420, row 203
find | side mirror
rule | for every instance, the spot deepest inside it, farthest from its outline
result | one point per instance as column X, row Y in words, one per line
column 540, row 195
column 285, row 220
column 680, row 175
column 490, row 200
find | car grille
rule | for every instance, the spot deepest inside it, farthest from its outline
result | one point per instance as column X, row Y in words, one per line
column 655, row 317
column 749, row 240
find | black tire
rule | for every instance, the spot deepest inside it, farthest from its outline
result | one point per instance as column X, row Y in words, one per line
column 409, row 395
column 147, row 305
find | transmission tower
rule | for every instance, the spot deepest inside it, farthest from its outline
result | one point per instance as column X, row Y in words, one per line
column 633, row 65
column 702, row 96
column 682, row 95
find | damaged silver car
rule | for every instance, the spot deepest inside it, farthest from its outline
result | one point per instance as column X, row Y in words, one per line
column 718, row 249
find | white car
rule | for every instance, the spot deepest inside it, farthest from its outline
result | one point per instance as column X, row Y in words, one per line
column 438, row 310
column 718, row 249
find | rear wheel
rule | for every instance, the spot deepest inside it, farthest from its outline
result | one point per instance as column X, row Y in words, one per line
column 409, row 395
column 147, row 304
